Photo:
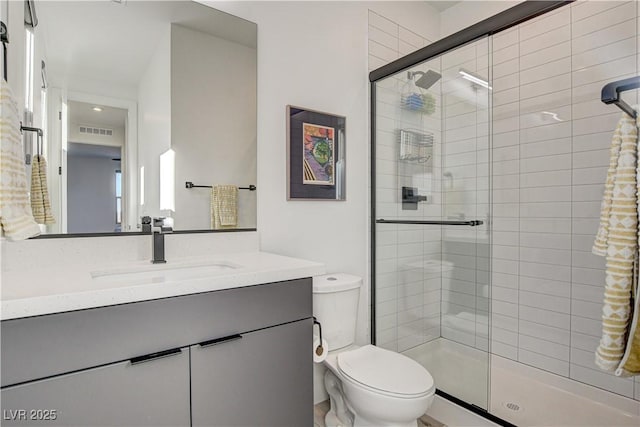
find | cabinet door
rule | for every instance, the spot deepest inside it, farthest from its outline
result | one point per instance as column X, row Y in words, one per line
column 150, row 393
column 264, row 378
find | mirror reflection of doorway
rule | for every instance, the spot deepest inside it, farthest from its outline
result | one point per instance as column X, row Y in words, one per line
column 96, row 141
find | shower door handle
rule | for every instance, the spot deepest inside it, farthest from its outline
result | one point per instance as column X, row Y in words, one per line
column 473, row 223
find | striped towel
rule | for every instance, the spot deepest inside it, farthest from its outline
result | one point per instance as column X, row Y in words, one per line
column 617, row 240
column 15, row 213
column 630, row 363
column 40, row 204
column 224, row 206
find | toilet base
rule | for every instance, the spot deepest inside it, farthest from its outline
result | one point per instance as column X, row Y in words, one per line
column 339, row 414
column 361, row 422
column 331, row 420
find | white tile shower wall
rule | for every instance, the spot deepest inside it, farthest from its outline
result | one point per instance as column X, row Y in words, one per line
column 551, row 137
column 465, row 276
column 407, row 285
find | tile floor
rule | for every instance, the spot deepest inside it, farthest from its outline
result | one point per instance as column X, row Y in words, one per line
column 441, row 414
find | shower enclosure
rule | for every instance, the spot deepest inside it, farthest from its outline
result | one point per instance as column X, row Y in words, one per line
column 488, row 159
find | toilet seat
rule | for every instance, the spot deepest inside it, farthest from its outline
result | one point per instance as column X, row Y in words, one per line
column 385, row 372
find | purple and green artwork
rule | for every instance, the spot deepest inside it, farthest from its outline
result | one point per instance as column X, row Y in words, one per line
column 318, row 154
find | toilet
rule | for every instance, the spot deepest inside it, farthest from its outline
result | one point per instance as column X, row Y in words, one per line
column 368, row 385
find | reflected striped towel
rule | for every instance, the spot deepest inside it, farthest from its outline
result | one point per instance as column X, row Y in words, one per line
column 224, row 206
column 40, row 204
column 617, row 239
column 15, row 212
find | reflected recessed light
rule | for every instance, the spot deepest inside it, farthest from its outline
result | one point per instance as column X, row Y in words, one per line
column 98, row 109
column 473, row 78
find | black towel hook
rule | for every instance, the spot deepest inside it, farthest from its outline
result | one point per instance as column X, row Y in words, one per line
column 611, row 94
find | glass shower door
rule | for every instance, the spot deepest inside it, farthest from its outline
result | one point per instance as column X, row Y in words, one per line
column 430, row 213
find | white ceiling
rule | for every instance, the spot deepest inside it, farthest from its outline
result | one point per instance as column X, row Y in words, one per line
column 91, row 150
column 442, row 5
column 107, row 41
column 83, row 114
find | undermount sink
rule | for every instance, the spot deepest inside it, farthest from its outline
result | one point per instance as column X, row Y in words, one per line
column 164, row 273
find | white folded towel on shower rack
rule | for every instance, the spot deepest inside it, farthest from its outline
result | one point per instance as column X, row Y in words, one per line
column 16, row 217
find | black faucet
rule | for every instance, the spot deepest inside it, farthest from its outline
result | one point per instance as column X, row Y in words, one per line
column 158, row 231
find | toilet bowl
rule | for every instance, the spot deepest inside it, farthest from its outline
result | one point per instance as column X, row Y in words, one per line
column 368, row 385
column 380, row 387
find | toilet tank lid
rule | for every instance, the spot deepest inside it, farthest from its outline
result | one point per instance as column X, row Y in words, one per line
column 336, row 282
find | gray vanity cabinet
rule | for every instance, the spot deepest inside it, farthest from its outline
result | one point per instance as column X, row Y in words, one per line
column 234, row 357
column 152, row 393
column 260, row 379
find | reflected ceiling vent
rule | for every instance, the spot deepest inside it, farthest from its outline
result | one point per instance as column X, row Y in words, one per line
column 88, row 130
column 120, row 1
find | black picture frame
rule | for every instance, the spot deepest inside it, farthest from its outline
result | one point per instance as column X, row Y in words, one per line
column 307, row 177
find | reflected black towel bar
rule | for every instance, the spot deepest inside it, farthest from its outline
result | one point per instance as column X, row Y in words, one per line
column 473, row 223
column 611, row 94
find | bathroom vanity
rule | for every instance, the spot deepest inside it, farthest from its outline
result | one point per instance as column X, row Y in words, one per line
column 233, row 355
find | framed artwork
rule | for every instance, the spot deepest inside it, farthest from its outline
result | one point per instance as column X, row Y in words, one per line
column 315, row 155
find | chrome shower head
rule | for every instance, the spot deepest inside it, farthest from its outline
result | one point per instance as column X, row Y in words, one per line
column 426, row 80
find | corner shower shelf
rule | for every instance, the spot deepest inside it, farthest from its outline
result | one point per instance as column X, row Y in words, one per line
column 415, row 145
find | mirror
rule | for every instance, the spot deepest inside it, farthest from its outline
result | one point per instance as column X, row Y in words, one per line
column 137, row 98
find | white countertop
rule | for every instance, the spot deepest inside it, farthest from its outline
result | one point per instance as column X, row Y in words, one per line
column 34, row 293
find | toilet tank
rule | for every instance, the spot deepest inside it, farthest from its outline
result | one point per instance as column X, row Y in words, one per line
column 335, row 306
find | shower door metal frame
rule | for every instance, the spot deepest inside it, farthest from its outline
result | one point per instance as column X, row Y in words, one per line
column 502, row 21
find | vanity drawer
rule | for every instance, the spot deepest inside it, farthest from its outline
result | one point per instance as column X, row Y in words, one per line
column 37, row 347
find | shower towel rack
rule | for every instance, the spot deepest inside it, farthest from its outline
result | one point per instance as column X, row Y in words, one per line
column 611, row 94
column 472, row 223
column 190, row 184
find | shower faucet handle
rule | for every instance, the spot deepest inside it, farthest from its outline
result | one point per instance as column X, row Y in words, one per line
column 411, row 198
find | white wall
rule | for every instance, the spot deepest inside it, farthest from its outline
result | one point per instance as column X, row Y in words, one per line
column 154, row 121
column 16, row 51
column 213, row 123
column 469, row 12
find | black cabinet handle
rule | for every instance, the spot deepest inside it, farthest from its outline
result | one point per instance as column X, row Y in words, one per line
column 153, row 356
column 220, row 340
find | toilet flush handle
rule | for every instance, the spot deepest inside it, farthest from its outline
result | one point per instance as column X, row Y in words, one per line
column 319, row 349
